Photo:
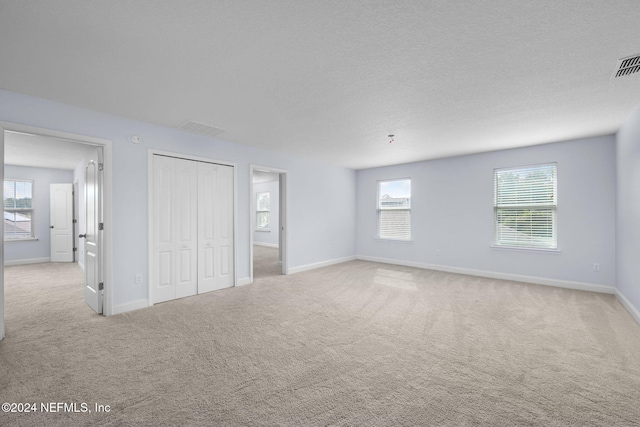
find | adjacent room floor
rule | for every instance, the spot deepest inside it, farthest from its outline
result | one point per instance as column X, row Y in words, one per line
column 357, row 343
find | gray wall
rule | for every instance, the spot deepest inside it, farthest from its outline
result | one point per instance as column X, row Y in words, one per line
column 332, row 233
column 628, row 210
column 40, row 249
column 452, row 212
column 269, row 238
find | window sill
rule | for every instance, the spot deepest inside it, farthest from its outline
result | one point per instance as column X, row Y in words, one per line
column 525, row 249
column 394, row 240
column 29, row 239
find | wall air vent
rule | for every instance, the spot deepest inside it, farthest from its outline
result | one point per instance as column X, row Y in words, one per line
column 627, row 66
column 200, row 129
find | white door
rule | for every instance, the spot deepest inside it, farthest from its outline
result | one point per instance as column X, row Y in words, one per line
column 61, row 226
column 175, row 219
column 93, row 238
column 225, row 228
column 186, row 221
column 215, row 227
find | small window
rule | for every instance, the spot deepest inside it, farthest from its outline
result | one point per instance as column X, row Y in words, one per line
column 525, row 206
column 262, row 211
column 394, row 209
column 18, row 210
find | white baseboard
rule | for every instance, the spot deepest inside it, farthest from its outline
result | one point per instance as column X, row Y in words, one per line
column 268, row 245
column 130, row 306
column 243, row 281
column 497, row 275
column 635, row 313
column 27, row 261
column 313, row 266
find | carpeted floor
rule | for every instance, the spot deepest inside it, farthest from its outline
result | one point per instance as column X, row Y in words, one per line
column 265, row 262
column 352, row 344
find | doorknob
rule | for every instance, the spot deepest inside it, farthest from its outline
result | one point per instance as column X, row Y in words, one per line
column 82, row 236
column 51, row 226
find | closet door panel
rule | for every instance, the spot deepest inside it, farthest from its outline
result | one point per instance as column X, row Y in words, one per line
column 164, row 230
column 186, row 223
column 207, row 199
column 224, row 225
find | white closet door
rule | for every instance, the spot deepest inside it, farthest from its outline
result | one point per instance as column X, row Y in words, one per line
column 186, row 219
column 215, row 227
column 224, row 225
column 175, row 228
column 163, row 250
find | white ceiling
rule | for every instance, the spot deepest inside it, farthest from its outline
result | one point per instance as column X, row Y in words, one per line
column 23, row 149
column 331, row 79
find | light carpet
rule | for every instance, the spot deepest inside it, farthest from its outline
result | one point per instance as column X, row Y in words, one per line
column 354, row 344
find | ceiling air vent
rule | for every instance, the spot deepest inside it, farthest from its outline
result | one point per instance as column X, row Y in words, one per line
column 626, row 66
column 200, row 129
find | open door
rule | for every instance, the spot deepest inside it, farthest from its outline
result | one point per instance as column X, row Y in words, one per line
column 61, row 225
column 93, row 290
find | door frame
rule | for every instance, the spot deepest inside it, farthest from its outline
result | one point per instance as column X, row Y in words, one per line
column 283, row 232
column 107, row 194
column 150, row 181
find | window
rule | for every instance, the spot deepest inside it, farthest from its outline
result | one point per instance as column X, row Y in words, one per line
column 525, row 206
column 394, row 209
column 18, row 209
column 262, row 211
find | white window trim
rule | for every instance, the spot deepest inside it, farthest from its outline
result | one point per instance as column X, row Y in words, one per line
column 378, row 210
column 551, row 250
column 32, row 210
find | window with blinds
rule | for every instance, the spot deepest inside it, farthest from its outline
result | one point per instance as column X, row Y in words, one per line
column 394, row 209
column 262, row 211
column 525, row 202
column 18, row 209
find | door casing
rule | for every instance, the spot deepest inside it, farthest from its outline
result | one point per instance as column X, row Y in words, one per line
column 283, row 195
column 107, row 192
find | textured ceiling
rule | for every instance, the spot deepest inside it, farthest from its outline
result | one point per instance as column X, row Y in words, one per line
column 331, row 79
column 23, row 149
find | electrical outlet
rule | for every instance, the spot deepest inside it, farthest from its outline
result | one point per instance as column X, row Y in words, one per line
column 596, row 266
column 138, row 279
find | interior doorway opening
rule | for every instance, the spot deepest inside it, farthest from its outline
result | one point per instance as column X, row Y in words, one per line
column 268, row 222
column 46, row 158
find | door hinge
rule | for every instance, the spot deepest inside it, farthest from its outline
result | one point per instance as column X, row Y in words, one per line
column 75, row 221
column 75, row 249
column 100, row 166
column 100, row 286
column 101, row 226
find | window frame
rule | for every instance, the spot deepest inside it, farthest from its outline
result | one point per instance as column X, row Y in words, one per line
column 379, row 211
column 263, row 211
column 31, row 210
column 551, row 208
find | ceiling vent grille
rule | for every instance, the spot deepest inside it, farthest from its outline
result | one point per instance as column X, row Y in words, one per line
column 200, row 129
column 627, row 66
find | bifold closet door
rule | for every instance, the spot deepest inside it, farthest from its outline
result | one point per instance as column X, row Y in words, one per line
column 175, row 210
column 215, row 227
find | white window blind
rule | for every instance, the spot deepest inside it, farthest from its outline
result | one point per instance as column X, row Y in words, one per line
column 262, row 211
column 394, row 209
column 525, row 206
column 18, row 209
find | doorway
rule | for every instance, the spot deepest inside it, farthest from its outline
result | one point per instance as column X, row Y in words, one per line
column 44, row 149
column 268, row 222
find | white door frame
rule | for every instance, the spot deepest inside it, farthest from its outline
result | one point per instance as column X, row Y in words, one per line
column 283, row 232
column 150, row 180
column 80, row 139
